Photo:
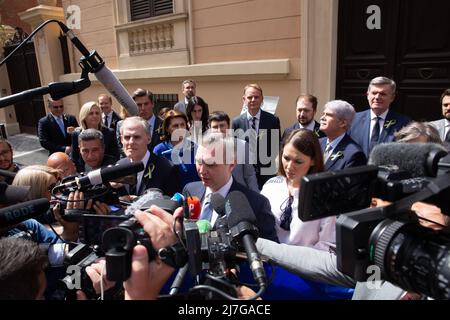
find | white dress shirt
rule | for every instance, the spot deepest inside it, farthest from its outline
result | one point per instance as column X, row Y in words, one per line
column 373, row 120
column 140, row 174
column 222, row 191
column 311, row 126
column 319, row 234
column 109, row 115
column 250, row 120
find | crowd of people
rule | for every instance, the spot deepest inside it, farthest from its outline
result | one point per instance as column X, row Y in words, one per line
column 199, row 152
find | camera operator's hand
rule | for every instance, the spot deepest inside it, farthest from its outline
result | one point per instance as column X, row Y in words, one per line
column 128, row 198
column 158, row 225
column 70, row 229
column 100, row 208
column 94, row 271
column 430, row 212
column 147, row 278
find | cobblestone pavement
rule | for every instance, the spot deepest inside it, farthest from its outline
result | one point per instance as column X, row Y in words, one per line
column 27, row 149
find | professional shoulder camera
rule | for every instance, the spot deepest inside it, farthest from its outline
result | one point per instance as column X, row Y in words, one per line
column 388, row 239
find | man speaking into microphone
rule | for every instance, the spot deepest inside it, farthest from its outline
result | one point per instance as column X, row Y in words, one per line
column 215, row 161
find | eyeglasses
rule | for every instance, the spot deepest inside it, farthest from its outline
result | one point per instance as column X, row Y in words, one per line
column 5, row 152
column 286, row 213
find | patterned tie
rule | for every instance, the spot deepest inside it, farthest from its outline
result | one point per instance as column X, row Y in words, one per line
column 207, row 209
column 327, row 152
column 60, row 123
column 375, row 134
column 254, row 123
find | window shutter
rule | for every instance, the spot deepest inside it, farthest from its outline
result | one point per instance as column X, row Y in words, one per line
column 142, row 9
column 163, row 7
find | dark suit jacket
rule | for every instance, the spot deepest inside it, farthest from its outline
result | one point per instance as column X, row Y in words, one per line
column 156, row 136
column 267, row 122
column 111, row 149
column 265, row 220
column 361, row 127
column 296, row 126
column 346, row 154
column 115, row 118
column 50, row 135
column 163, row 176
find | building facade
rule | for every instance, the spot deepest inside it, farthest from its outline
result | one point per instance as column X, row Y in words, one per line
column 329, row 48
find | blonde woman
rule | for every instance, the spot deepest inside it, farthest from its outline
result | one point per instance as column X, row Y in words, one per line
column 42, row 180
column 91, row 118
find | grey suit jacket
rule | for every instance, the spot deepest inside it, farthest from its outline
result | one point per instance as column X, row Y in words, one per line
column 440, row 126
column 244, row 172
column 317, row 265
column 180, row 106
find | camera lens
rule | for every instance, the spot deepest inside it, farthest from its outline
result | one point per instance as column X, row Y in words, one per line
column 413, row 257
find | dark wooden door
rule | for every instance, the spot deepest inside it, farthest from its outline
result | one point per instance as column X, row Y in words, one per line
column 411, row 45
column 23, row 74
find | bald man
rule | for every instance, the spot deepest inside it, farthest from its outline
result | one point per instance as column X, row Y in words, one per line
column 61, row 161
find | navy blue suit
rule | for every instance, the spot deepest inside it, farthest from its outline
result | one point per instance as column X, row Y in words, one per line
column 296, row 126
column 361, row 127
column 346, row 154
column 265, row 220
column 267, row 122
column 51, row 136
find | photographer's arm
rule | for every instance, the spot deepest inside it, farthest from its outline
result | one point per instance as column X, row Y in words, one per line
column 309, row 263
column 146, row 278
column 70, row 229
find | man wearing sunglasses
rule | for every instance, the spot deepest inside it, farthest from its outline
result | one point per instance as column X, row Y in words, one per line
column 54, row 130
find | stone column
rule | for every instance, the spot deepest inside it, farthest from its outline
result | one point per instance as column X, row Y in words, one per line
column 46, row 42
column 7, row 114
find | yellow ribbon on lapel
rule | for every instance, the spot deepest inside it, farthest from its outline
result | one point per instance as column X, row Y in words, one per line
column 151, row 167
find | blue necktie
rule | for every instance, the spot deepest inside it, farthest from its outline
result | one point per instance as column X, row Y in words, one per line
column 60, row 123
column 207, row 209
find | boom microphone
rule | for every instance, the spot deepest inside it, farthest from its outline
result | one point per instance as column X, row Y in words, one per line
column 419, row 159
column 12, row 215
column 102, row 175
column 241, row 221
column 93, row 62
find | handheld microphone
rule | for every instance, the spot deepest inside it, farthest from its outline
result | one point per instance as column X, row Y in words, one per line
column 195, row 207
column 91, row 61
column 419, row 159
column 103, row 175
column 218, row 203
column 241, row 221
column 12, row 215
column 7, row 174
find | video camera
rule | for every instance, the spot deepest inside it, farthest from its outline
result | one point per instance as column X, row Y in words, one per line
column 409, row 255
column 208, row 254
column 96, row 185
